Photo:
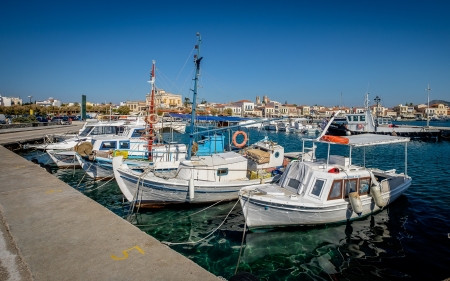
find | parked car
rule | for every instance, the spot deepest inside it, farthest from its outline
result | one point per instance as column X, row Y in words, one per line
column 63, row 120
column 41, row 119
column 74, row 118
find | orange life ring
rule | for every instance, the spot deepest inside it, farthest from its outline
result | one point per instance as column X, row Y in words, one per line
column 335, row 139
column 242, row 144
column 152, row 118
column 360, row 126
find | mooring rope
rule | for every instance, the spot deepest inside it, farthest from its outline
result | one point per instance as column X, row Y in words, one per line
column 195, row 242
column 100, row 185
column 243, row 234
column 180, row 218
column 136, row 194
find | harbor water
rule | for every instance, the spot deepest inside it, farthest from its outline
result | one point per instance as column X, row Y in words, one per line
column 408, row 240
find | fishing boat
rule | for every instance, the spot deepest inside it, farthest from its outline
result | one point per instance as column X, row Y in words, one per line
column 282, row 126
column 320, row 191
column 139, row 146
column 365, row 122
column 201, row 177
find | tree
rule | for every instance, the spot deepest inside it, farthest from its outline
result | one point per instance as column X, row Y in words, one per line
column 214, row 111
column 228, row 111
column 187, row 102
column 123, row 110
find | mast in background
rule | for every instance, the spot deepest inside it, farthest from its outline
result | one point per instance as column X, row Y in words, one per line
column 151, row 114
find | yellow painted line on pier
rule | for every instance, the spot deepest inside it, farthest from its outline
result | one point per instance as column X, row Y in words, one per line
column 19, row 167
column 125, row 253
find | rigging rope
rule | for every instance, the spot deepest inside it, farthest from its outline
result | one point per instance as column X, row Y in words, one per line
column 195, row 242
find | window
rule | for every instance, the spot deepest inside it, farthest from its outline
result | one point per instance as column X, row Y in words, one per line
column 317, row 188
column 106, row 145
column 137, row 133
column 362, row 118
column 124, row 145
column 364, row 185
column 277, row 154
column 350, row 186
column 336, row 190
column 293, row 183
column 222, row 172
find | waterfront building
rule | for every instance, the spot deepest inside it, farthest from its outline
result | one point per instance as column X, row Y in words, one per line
column 246, row 106
column 137, row 106
column 9, row 101
column 304, row 110
column 50, row 102
column 165, row 100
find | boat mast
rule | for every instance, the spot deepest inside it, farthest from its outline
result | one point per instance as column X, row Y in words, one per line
column 151, row 111
column 197, row 60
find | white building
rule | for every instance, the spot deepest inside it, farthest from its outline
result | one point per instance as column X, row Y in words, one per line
column 8, row 101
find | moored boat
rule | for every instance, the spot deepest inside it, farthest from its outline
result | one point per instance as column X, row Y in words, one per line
column 321, row 191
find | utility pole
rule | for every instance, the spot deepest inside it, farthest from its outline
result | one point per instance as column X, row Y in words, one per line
column 377, row 100
column 428, row 109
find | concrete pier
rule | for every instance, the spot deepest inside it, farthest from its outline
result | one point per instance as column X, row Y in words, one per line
column 50, row 231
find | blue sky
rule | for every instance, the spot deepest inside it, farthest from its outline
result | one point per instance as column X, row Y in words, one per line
column 302, row 52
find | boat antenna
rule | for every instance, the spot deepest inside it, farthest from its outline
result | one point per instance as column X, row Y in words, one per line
column 197, row 60
column 151, row 113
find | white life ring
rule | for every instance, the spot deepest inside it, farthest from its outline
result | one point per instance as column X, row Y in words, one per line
column 152, row 118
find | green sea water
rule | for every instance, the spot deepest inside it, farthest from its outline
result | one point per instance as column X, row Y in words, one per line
column 408, row 240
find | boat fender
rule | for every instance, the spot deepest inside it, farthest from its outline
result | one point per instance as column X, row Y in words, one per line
column 191, row 189
column 377, row 197
column 355, row 202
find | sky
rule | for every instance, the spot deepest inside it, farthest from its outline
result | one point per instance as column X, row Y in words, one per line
column 313, row 52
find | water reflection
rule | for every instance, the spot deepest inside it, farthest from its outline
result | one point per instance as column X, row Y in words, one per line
column 354, row 250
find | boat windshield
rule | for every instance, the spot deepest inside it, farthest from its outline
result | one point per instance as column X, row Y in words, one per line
column 104, row 130
column 86, row 131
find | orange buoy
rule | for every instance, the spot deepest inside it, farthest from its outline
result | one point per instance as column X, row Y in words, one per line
column 242, row 144
column 335, row 139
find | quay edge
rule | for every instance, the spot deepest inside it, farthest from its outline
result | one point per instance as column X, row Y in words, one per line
column 60, row 234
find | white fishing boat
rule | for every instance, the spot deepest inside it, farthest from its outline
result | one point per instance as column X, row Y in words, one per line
column 201, row 177
column 96, row 159
column 94, row 127
column 297, row 126
column 63, row 159
column 366, row 122
column 282, row 126
column 138, row 146
column 319, row 191
column 311, row 129
column 270, row 125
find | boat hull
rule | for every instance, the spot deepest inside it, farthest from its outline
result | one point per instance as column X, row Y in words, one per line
column 156, row 191
column 64, row 159
column 266, row 214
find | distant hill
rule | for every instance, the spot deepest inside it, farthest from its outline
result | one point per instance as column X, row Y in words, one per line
column 440, row 101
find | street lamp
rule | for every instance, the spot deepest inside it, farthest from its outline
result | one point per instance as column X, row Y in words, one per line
column 31, row 110
column 428, row 109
